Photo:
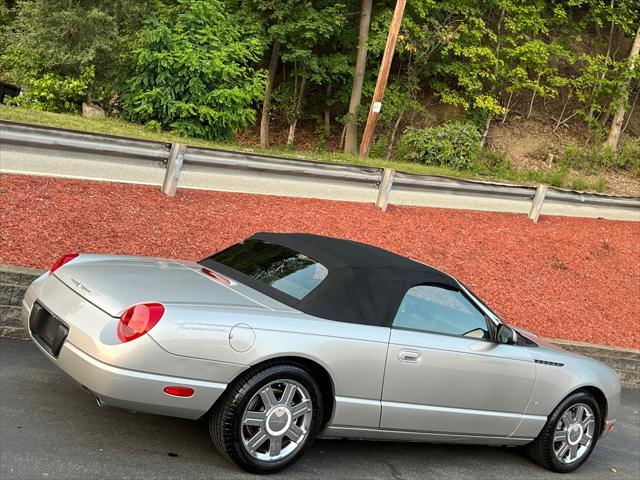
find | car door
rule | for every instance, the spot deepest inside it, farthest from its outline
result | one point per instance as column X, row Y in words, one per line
column 444, row 374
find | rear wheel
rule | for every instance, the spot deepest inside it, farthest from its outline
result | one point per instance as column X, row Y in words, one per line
column 570, row 434
column 268, row 417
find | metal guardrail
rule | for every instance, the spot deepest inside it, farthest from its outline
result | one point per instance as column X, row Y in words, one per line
column 466, row 187
column 135, row 149
column 279, row 165
column 70, row 140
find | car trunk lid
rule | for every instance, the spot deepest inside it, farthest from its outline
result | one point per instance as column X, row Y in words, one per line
column 113, row 283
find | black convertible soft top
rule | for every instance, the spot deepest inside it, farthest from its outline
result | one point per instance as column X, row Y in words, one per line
column 365, row 284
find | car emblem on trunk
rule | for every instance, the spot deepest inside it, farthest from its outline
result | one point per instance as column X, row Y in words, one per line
column 80, row 286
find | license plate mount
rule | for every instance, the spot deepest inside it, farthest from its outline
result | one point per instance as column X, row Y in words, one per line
column 49, row 331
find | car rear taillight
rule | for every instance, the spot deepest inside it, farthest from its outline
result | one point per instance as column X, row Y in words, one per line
column 138, row 320
column 62, row 260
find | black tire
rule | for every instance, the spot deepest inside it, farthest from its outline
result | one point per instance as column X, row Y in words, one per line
column 541, row 450
column 225, row 422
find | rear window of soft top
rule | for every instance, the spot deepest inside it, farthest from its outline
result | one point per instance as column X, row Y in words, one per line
column 280, row 267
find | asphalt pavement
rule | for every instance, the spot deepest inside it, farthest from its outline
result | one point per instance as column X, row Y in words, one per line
column 51, row 428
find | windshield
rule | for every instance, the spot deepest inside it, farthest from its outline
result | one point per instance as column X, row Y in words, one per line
column 291, row 272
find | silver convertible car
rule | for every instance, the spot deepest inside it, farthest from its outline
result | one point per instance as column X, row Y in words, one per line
column 283, row 338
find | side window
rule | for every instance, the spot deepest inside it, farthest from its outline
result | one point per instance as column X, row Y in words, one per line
column 435, row 309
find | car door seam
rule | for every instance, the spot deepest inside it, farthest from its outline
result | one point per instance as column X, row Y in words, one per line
column 384, row 375
column 533, row 389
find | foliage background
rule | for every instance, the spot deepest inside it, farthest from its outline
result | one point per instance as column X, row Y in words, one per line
column 462, row 70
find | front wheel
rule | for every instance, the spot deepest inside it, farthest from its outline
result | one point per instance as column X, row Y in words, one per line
column 570, row 434
column 268, row 418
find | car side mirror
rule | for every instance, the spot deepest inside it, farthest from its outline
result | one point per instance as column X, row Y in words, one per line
column 507, row 335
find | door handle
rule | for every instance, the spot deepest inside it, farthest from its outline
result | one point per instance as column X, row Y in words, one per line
column 410, row 356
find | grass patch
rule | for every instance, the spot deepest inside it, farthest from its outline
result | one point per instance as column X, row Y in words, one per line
column 106, row 126
column 596, row 159
column 489, row 166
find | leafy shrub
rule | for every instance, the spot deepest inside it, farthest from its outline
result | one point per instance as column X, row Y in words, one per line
column 595, row 159
column 581, row 158
column 55, row 93
column 153, row 126
column 629, row 155
column 5, row 16
column 48, row 46
column 493, row 161
column 379, row 147
column 452, row 144
column 192, row 72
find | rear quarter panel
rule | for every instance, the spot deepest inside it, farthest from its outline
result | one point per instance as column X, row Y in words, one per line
column 93, row 331
column 353, row 355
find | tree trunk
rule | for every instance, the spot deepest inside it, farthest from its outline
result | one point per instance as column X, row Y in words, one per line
column 485, row 133
column 296, row 113
column 327, row 115
column 266, row 104
column 506, row 109
column 392, row 139
column 533, row 97
column 351, row 132
column 342, row 135
column 564, row 107
column 616, row 125
column 633, row 106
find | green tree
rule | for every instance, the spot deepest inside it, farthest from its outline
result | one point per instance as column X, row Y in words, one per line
column 270, row 14
column 595, row 30
column 498, row 47
column 5, row 14
column 193, row 71
column 298, row 32
column 629, row 73
column 304, row 38
column 60, row 41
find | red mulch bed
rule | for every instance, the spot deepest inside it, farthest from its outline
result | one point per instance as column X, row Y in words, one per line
column 570, row 278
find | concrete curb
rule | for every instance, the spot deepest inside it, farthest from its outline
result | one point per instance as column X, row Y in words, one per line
column 15, row 280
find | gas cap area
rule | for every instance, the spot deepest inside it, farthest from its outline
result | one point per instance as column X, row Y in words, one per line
column 242, row 337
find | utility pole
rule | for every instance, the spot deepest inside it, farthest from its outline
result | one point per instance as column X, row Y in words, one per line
column 381, row 83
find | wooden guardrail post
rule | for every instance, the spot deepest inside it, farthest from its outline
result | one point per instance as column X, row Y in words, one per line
column 174, row 165
column 536, row 205
column 385, row 188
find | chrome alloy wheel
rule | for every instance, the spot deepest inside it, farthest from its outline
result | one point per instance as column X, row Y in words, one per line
column 276, row 421
column 573, row 435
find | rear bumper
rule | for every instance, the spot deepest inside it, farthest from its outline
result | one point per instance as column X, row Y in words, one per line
column 135, row 390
